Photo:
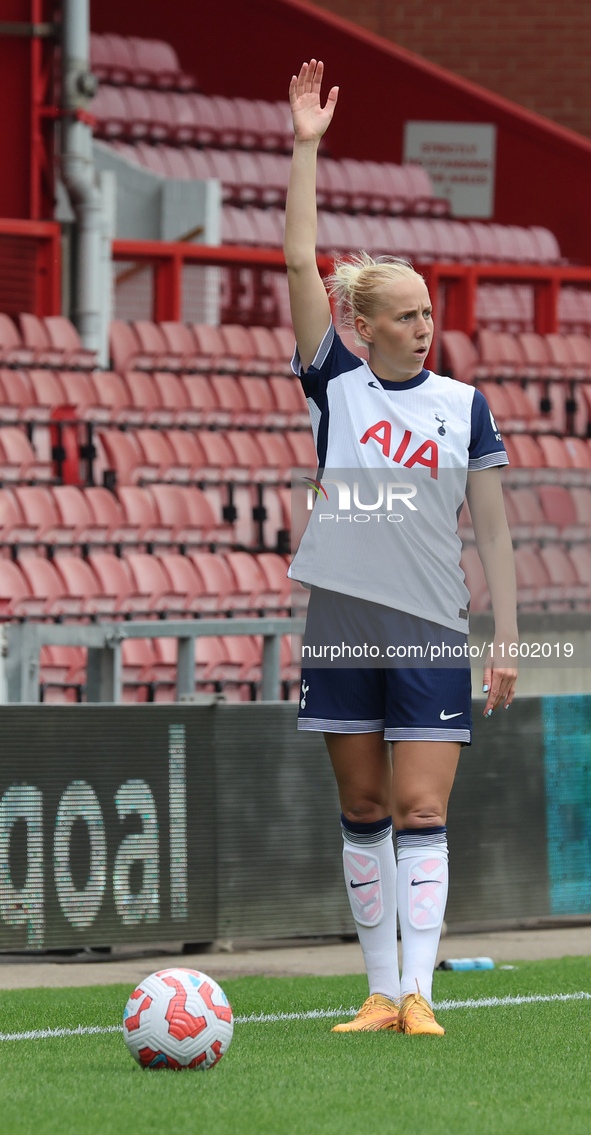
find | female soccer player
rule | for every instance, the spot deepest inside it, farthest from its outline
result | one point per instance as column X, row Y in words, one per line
column 393, row 415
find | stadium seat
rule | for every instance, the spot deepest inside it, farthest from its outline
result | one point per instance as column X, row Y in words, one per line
column 35, row 336
column 16, row 396
column 524, row 451
column 79, row 392
column 144, row 396
column 140, row 512
column 562, row 574
column 156, row 64
column 13, row 527
column 534, row 590
column 126, row 351
column 150, row 578
column 125, row 458
column 47, row 391
column 39, row 510
column 153, row 342
column 13, row 352
column 216, row 582
column 18, row 461
column 16, row 598
column 115, row 578
column 290, row 400
column 278, row 584
column 460, row 357
column 180, row 342
column 114, row 397
column 48, row 586
column 83, row 588
column 559, row 507
column 260, row 407
column 63, row 336
column 188, row 511
column 211, row 353
column 76, row 515
column 108, row 514
column 531, row 520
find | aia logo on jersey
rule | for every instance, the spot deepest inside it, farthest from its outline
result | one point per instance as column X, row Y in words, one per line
column 426, row 454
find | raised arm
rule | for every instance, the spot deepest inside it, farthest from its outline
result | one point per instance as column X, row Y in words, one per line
column 310, row 309
column 493, row 541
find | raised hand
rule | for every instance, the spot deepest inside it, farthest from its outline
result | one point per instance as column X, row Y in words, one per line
column 310, row 119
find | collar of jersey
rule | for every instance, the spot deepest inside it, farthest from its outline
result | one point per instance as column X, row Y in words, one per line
column 408, row 385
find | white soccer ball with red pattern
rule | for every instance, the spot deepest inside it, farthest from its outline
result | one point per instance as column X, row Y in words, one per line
column 178, row 1018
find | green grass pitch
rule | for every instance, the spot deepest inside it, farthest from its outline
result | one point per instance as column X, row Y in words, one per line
column 516, row 1069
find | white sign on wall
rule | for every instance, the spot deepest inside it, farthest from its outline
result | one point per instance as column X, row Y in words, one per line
column 460, row 160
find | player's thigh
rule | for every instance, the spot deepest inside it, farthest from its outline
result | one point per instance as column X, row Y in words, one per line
column 363, row 771
column 423, row 773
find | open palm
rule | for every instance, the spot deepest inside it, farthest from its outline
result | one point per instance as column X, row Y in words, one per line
column 310, row 118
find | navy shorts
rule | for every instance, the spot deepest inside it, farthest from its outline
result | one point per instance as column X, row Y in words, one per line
column 409, row 703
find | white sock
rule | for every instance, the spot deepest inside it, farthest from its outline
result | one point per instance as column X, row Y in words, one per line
column 422, row 894
column 370, row 878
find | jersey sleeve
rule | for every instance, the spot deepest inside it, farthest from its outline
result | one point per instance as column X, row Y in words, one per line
column 331, row 358
column 486, row 444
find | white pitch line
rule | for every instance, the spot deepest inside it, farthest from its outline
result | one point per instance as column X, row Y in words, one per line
column 312, row 1015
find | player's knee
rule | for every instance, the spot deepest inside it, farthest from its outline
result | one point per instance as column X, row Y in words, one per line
column 420, row 816
column 365, row 811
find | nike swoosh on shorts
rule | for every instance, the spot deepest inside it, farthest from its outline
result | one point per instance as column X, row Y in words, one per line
column 443, row 716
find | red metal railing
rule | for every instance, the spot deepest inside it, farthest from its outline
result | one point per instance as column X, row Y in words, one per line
column 453, row 287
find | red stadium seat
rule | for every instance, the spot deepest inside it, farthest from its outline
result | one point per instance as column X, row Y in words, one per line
column 187, row 509
column 157, row 451
column 216, row 582
column 13, row 526
column 80, row 393
column 144, row 396
column 460, row 356
column 114, row 397
column 35, row 336
column 17, row 396
column 47, row 585
column 81, row 585
column 290, row 399
column 149, row 577
column 108, row 514
column 126, row 351
column 153, row 342
column 76, row 515
column 555, row 452
column 524, row 451
column 16, row 597
column 12, row 348
column 212, row 354
column 48, row 392
column 562, row 573
column 156, row 64
column 302, row 446
column 115, row 578
column 39, row 510
column 125, row 457
column 531, row 520
column 17, row 458
column 180, row 342
column 63, row 336
column 140, row 512
column 278, row 584
column 111, row 111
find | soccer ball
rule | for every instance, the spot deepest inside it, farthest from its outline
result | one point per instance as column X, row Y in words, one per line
column 178, row 1018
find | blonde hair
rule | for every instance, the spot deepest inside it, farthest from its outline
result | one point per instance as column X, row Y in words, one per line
column 357, row 281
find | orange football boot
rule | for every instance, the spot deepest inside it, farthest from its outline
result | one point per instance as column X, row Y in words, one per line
column 377, row 1012
column 416, row 1018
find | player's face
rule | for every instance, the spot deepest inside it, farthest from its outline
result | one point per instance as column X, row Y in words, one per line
column 400, row 334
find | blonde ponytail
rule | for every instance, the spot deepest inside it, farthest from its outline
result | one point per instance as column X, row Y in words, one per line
column 357, row 282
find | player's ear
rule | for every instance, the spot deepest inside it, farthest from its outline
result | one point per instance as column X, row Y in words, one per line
column 363, row 329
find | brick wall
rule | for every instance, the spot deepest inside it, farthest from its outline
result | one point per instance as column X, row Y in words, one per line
column 535, row 52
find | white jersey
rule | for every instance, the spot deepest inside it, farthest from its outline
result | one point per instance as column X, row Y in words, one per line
column 413, row 444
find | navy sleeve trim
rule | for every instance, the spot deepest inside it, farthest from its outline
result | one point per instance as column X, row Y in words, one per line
column 320, row 356
column 486, row 444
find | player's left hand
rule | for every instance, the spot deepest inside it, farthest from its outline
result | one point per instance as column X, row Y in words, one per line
column 499, row 681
